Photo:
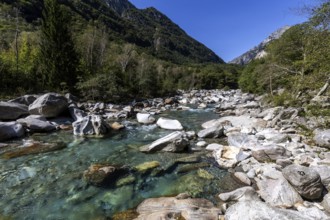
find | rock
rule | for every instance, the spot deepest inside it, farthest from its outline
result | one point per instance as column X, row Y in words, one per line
column 37, row 123
column 147, row 166
column 90, row 125
column 190, row 167
column 9, row 130
column 314, row 213
column 12, row 110
column 33, row 147
column 251, row 209
column 241, row 194
column 226, row 156
column 125, row 181
column 76, row 113
column 284, row 162
column 27, row 172
column 169, row 124
column 49, row 105
column 277, row 191
column 242, row 178
column 305, row 180
column 25, row 100
column 213, row 147
column 243, row 141
column 326, row 202
column 102, row 174
column 201, row 144
column 145, row 118
column 117, row 126
column 324, row 171
column 212, row 132
column 173, row 208
column 191, row 135
column 174, row 142
column 204, row 174
column 271, row 153
column 322, row 138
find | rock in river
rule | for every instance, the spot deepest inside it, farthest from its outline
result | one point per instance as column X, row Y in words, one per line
column 37, row 123
column 9, row 130
column 49, row 105
column 145, row 118
column 174, row 142
column 169, row 124
column 90, row 125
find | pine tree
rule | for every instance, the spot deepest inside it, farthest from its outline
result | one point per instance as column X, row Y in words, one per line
column 58, row 58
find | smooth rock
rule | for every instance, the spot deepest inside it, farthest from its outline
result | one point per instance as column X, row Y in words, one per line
column 226, row 156
column 212, row 132
column 146, row 166
column 25, row 100
column 9, row 130
column 201, row 144
column 117, row 126
column 324, row 172
column 37, row 123
column 241, row 194
column 271, row 153
column 174, row 142
column 12, row 110
column 169, row 124
column 242, row 178
column 76, row 113
column 322, row 138
column 305, row 180
column 326, row 202
column 145, row 118
column 49, row 105
column 90, row 125
column 252, row 210
column 213, row 147
column 173, row 208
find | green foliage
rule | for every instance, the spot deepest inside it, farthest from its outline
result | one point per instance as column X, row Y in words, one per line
column 58, row 58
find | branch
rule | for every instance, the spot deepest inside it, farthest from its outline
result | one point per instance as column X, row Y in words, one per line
column 324, row 88
column 286, row 69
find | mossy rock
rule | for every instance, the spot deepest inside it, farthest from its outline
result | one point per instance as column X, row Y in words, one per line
column 147, row 166
column 191, row 167
column 204, row 174
column 125, row 215
column 125, row 181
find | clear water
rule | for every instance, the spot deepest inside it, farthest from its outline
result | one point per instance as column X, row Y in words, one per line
column 54, row 188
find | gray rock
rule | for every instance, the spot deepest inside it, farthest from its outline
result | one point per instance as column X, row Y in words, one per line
column 213, row 147
column 241, row 194
column 270, row 153
column 322, row 138
column 90, row 125
column 278, row 192
column 201, row 144
column 212, row 132
column 36, row 123
column 145, row 118
column 251, row 210
column 9, row 130
column 305, row 180
column 169, row 124
column 25, row 100
column 243, row 178
column 76, row 113
column 174, row 142
column 12, row 110
column 49, row 105
column 243, row 141
column 284, row 162
column 326, row 202
column 226, row 156
column 324, row 172
column 177, row 208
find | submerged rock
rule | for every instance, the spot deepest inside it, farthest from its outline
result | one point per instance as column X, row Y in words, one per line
column 169, row 124
column 173, row 208
column 9, row 130
column 174, row 142
column 49, row 105
column 12, row 110
column 147, row 166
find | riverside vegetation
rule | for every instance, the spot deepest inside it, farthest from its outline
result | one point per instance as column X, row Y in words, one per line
column 200, row 153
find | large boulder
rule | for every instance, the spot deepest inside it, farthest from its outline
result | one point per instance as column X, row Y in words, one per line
column 277, row 191
column 174, row 142
column 76, row 113
column 37, row 123
column 12, row 110
column 251, row 210
column 49, row 105
column 169, row 124
column 177, row 208
column 145, row 118
column 25, row 100
column 240, row 194
column 90, row 125
column 322, row 138
column 9, row 130
column 305, row 180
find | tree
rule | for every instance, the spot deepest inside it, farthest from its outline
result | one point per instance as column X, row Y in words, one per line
column 58, row 58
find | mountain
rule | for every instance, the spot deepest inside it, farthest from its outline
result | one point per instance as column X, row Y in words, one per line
column 259, row 51
column 148, row 28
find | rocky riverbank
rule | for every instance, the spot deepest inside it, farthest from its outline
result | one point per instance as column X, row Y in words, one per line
column 285, row 172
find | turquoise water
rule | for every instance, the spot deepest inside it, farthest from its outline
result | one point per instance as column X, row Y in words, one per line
column 50, row 185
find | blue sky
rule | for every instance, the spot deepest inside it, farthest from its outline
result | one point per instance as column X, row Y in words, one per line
column 229, row 27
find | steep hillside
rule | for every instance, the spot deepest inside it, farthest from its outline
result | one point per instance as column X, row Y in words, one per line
column 148, row 28
column 259, row 51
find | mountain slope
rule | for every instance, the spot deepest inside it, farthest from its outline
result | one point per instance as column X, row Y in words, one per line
column 148, row 28
column 259, row 51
